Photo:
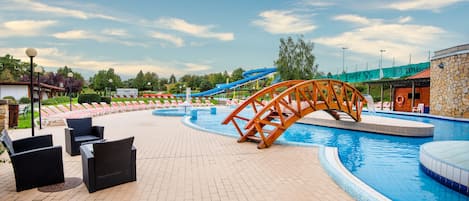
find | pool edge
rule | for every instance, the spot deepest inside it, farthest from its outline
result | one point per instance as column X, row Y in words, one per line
column 329, row 159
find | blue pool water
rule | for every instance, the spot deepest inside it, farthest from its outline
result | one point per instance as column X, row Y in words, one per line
column 387, row 163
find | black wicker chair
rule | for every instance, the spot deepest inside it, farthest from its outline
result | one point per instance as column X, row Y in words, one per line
column 80, row 131
column 36, row 162
column 107, row 164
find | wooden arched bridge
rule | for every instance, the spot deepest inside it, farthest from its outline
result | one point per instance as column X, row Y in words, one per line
column 264, row 116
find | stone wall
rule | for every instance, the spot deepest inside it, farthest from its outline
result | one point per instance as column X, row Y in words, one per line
column 3, row 115
column 449, row 82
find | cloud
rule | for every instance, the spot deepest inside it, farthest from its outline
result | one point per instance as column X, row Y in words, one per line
column 283, row 22
column 75, row 35
column 87, row 35
column 406, row 19
column 179, row 42
column 115, row 32
column 317, row 3
column 422, row 4
column 191, row 67
column 25, row 27
column 28, row 5
column 202, row 31
column 397, row 39
column 356, row 19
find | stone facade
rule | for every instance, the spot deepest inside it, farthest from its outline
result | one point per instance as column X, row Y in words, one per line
column 449, row 82
column 3, row 115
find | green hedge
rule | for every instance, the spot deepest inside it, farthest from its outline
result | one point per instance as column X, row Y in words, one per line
column 25, row 100
column 106, row 99
column 89, row 98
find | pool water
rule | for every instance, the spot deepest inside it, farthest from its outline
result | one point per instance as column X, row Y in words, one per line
column 387, row 163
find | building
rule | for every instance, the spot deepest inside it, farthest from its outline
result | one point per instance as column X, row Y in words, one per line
column 21, row 89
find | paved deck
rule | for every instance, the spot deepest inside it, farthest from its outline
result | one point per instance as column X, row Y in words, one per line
column 175, row 162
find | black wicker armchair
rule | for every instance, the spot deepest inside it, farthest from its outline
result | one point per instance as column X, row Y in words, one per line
column 80, row 131
column 107, row 164
column 36, row 162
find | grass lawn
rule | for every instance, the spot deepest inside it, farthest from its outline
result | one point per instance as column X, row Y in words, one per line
column 24, row 121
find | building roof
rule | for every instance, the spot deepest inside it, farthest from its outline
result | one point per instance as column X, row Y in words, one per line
column 43, row 85
column 422, row 74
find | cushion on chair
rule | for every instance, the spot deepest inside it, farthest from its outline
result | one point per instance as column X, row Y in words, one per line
column 86, row 138
column 6, row 140
column 80, row 126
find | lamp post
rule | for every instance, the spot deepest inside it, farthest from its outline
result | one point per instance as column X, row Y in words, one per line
column 110, row 86
column 149, row 86
column 70, row 75
column 39, row 70
column 381, row 64
column 31, row 53
column 343, row 59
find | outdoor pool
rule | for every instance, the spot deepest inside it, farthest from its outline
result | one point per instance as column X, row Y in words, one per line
column 389, row 164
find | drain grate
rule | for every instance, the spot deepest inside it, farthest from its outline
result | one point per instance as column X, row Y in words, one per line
column 70, row 182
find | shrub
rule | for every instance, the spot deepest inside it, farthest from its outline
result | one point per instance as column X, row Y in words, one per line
column 25, row 100
column 56, row 100
column 106, row 99
column 89, row 98
column 11, row 98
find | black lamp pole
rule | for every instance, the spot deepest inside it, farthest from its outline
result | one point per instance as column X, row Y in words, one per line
column 39, row 102
column 70, row 75
column 31, row 53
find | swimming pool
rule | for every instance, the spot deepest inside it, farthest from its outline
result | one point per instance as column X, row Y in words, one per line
column 387, row 163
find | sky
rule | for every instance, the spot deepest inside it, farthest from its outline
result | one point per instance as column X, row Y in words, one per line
column 199, row 37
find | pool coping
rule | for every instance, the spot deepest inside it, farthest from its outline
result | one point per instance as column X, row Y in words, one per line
column 421, row 115
column 329, row 160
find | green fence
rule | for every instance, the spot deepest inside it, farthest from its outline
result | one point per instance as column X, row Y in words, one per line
column 388, row 72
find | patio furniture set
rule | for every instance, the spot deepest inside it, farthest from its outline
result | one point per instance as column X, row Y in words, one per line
column 37, row 162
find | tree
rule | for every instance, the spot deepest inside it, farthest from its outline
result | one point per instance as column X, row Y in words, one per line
column 100, row 81
column 296, row 60
column 237, row 74
column 139, row 81
column 7, row 76
column 16, row 68
column 172, row 79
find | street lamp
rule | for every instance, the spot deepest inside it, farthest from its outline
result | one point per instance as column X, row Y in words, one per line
column 149, row 86
column 31, row 53
column 39, row 70
column 70, row 75
column 381, row 64
column 110, row 86
column 343, row 59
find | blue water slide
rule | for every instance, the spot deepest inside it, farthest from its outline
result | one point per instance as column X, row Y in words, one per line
column 249, row 76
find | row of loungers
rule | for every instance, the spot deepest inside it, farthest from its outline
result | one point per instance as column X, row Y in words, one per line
column 55, row 114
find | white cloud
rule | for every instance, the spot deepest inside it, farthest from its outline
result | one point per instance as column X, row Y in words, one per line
column 86, row 35
column 406, row 19
column 179, row 42
column 28, row 5
column 202, row 31
column 397, row 39
column 355, row 19
column 115, row 32
column 317, row 3
column 191, row 67
column 284, row 22
column 75, row 35
column 25, row 27
column 434, row 5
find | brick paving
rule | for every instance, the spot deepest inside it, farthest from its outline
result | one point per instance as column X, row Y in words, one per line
column 175, row 162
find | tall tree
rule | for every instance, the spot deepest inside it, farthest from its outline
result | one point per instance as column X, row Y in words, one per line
column 172, row 79
column 139, row 81
column 295, row 60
